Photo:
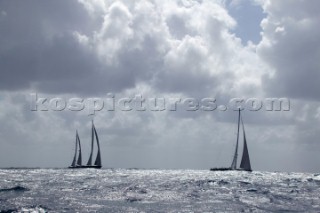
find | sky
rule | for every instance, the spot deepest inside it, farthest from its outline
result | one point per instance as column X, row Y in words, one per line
column 105, row 50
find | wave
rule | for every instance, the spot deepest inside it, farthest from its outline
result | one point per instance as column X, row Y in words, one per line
column 38, row 209
column 20, row 168
column 16, row 189
column 9, row 210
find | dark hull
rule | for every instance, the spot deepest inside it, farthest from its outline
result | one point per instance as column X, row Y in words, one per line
column 228, row 169
column 220, row 169
column 84, row 167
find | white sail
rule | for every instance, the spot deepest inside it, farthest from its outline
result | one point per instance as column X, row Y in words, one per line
column 94, row 135
column 92, row 140
column 79, row 161
column 75, row 152
column 98, row 159
column 235, row 157
column 74, row 160
column 245, row 161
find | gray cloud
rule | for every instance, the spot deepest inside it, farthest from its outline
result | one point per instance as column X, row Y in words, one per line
column 38, row 32
column 290, row 46
column 57, row 56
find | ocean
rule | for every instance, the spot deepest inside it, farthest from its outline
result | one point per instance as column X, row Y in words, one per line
column 133, row 190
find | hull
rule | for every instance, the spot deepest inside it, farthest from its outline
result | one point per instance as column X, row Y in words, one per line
column 228, row 169
column 221, row 169
column 84, row 167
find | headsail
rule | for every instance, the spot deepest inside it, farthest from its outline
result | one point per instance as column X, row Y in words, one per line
column 98, row 159
column 234, row 161
column 92, row 139
column 245, row 161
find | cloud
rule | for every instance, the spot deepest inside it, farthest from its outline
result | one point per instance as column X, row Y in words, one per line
column 31, row 35
column 190, row 45
column 290, row 46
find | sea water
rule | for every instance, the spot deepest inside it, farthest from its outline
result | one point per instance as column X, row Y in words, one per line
column 119, row 190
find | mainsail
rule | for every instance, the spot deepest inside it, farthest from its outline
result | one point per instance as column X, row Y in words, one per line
column 75, row 152
column 235, row 157
column 75, row 161
column 79, row 161
column 92, row 140
column 94, row 134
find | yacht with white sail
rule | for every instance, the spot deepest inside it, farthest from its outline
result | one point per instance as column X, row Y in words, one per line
column 245, row 164
column 77, row 159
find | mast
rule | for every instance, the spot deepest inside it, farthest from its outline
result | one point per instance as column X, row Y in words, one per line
column 79, row 162
column 98, row 159
column 92, row 138
column 234, row 161
column 75, row 153
column 245, row 161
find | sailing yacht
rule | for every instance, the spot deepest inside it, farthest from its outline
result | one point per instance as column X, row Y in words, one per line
column 77, row 163
column 245, row 164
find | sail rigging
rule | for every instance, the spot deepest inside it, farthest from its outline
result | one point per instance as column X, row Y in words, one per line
column 75, row 152
column 235, row 157
column 245, row 160
column 77, row 162
column 92, row 141
column 98, row 159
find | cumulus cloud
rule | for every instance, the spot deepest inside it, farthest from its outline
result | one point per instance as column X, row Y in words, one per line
column 174, row 46
column 291, row 48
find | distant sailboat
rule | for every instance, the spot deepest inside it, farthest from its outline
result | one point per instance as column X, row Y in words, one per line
column 77, row 164
column 245, row 164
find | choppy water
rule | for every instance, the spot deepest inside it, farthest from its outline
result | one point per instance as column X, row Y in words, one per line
column 106, row 190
